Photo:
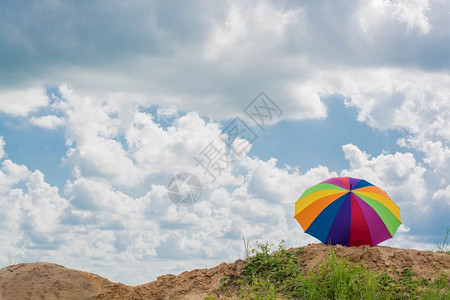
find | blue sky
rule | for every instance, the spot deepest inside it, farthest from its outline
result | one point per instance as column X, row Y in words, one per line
column 102, row 103
column 309, row 143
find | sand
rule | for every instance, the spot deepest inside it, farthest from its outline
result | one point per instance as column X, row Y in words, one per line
column 43, row 280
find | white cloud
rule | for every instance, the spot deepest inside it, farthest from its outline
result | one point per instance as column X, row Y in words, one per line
column 389, row 98
column 306, row 96
column 293, row 52
column 30, row 211
column 403, row 228
column 128, row 147
column 281, row 185
column 437, row 154
column 413, row 13
column 166, row 112
column 246, row 23
column 49, row 122
column 2, row 147
column 92, row 135
column 399, row 174
column 443, row 196
column 376, row 14
column 415, row 102
column 11, row 174
column 22, row 102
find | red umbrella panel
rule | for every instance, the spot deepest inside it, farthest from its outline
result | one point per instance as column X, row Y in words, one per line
column 347, row 211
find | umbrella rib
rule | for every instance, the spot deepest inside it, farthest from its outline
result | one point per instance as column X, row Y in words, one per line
column 385, row 201
column 389, row 219
column 307, row 215
column 307, row 200
column 376, row 224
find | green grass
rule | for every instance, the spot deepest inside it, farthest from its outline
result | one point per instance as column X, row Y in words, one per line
column 246, row 247
column 279, row 275
column 443, row 246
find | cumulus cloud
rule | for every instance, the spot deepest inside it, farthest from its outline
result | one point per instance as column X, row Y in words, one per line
column 49, row 122
column 22, row 102
column 443, row 194
column 30, row 210
column 166, row 112
column 2, row 147
column 228, row 48
column 437, row 154
column 416, row 103
column 377, row 13
column 396, row 98
column 398, row 173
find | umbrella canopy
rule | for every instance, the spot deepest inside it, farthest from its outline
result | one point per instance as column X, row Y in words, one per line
column 347, row 211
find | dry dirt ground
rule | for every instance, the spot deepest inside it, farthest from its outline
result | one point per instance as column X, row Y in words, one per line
column 50, row 281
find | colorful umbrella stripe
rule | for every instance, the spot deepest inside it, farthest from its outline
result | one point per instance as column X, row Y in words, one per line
column 347, row 211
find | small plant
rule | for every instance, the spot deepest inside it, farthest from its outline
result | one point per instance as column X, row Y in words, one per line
column 438, row 289
column 224, row 281
column 338, row 279
column 269, row 273
column 246, row 247
column 443, row 246
column 261, row 288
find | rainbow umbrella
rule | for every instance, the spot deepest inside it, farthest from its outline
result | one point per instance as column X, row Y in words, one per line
column 347, row 211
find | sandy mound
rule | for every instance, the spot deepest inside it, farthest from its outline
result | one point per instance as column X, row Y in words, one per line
column 425, row 264
column 51, row 281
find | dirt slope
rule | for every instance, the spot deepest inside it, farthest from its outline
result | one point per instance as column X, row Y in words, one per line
column 51, row 281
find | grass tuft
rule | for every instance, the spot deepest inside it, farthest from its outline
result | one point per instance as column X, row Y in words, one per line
column 246, row 247
column 279, row 275
column 443, row 246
